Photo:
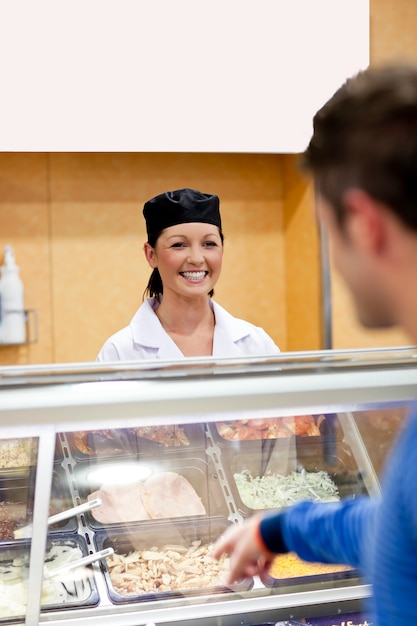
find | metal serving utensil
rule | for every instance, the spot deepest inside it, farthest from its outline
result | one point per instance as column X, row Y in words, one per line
column 26, row 531
column 86, row 560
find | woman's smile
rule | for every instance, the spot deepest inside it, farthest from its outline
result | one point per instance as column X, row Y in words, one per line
column 194, row 276
column 196, row 246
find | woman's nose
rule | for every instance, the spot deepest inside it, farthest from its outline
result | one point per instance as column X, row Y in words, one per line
column 196, row 255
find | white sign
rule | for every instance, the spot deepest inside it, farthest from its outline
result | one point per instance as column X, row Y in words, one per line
column 173, row 75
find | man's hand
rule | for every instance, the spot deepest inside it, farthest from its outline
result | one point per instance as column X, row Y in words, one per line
column 248, row 554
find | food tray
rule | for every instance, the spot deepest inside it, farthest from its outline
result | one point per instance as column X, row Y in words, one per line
column 17, row 456
column 129, row 442
column 315, row 573
column 282, row 461
column 321, row 445
column 102, row 444
column 379, row 429
column 74, row 593
column 173, row 534
column 184, row 438
column 198, row 471
column 16, row 503
column 252, row 429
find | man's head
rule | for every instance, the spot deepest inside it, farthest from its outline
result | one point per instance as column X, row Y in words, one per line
column 363, row 157
column 365, row 137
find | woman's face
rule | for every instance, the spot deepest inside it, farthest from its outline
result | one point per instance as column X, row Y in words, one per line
column 188, row 257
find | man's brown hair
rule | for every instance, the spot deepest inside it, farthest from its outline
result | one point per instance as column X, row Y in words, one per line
column 365, row 136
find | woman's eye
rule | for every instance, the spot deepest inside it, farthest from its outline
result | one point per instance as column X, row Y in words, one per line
column 205, row 244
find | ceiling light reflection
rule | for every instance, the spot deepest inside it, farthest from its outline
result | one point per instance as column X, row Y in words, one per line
column 122, row 473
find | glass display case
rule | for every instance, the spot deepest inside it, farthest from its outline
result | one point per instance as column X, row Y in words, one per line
column 115, row 479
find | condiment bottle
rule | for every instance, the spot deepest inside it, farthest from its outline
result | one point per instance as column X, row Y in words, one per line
column 12, row 310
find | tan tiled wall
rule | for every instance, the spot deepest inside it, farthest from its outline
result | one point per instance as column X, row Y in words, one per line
column 76, row 226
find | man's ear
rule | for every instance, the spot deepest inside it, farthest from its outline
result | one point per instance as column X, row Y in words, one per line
column 365, row 221
column 150, row 255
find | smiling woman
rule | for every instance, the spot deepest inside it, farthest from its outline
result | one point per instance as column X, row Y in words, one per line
column 179, row 318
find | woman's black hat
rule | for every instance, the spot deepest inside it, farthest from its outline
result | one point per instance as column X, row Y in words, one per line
column 180, row 207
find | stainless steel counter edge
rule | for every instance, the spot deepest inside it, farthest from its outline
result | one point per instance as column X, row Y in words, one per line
column 188, row 615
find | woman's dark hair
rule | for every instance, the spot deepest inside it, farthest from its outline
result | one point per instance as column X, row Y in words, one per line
column 365, row 136
column 154, row 288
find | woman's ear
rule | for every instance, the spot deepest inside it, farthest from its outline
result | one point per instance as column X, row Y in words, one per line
column 150, row 255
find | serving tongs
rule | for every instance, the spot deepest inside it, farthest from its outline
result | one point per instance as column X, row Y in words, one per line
column 86, row 560
column 26, row 531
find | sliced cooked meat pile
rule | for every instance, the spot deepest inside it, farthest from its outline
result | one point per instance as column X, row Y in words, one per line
column 163, row 495
column 120, row 503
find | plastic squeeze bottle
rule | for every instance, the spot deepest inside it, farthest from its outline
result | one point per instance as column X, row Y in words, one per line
column 12, row 310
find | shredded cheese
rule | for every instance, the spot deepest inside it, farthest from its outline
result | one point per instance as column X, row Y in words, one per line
column 274, row 490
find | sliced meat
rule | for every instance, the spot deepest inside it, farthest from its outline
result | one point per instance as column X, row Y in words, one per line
column 120, row 503
column 168, row 494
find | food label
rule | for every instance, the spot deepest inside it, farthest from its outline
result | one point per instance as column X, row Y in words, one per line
column 353, row 619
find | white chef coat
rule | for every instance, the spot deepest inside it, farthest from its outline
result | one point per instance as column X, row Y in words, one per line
column 145, row 337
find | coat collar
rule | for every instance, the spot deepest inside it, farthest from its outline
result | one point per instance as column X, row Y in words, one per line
column 148, row 332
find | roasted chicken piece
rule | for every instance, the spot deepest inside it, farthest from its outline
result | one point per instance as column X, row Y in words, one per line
column 169, row 436
column 271, row 428
column 116, row 440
